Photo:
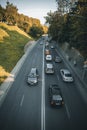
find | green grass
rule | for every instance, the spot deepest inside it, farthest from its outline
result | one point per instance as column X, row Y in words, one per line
column 11, row 50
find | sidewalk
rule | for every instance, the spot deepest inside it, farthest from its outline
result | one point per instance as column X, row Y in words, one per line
column 79, row 71
column 4, row 88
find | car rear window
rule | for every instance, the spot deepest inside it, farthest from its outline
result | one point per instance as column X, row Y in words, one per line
column 68, row 75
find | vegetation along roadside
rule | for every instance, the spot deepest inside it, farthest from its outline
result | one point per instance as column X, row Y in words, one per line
column 12, row 42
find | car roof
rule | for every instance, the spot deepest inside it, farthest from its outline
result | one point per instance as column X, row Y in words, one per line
column 49, row 65
column 33, row 70
column 56, row 91
column 49, row 55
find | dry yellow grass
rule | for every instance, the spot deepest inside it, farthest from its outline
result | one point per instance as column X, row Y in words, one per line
column 3, row 72
column 3, row 34
column 14, row 28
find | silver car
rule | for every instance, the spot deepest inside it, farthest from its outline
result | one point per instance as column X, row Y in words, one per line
column 58, row 59
column 66, row 75
column 49, row 69
column 32, row 77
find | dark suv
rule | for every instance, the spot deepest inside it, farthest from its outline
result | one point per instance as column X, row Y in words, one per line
column 55, row 95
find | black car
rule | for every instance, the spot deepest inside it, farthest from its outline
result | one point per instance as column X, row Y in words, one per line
column 55, row 95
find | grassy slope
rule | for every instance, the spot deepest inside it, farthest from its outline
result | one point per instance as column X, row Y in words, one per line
column 12, row 42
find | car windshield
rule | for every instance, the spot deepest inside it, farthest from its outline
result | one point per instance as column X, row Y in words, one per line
column 32, row 75
column 49, row 69
column 68, row 75
column 48, row 56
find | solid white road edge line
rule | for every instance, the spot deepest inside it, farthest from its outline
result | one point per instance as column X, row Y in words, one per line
column 43, row 97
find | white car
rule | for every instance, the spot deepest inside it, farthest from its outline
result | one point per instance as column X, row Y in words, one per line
column 49, row 69
column 52, row 47
column 48, row 57
column 47, row 44
column 66, row 75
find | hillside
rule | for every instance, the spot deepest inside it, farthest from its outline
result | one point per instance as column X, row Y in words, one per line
column 12, row 42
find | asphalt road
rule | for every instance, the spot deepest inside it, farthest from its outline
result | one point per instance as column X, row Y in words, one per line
column 28, row 108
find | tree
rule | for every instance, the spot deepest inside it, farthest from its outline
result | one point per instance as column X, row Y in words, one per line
column 11, row 16
column 36, row 31
column 70, row 26
column 2, row 14
column 11, row 13
column 63, row 6
column 79, row 27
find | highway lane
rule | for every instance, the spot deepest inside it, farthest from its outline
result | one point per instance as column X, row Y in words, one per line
column 74, row 110
column 55, row 118
column 21, row 109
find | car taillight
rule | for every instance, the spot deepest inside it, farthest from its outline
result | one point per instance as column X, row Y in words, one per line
column 52, row 102
column 62, row 103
